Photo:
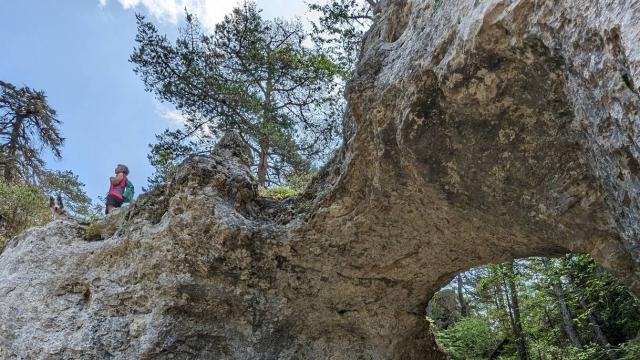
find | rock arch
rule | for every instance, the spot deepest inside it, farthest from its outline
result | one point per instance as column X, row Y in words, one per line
column 477, row 131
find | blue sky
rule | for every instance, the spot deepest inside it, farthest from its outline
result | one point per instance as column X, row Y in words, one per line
column 77, row 52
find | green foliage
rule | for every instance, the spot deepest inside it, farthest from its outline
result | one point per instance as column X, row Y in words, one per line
column 444, row 309
column 617, row 310
column 71, row 189
column 28, row 125
column 631, row 349
column 279, row 192
column 589, row 352
column 252, row 76
column 170, row 149
column 22, row 206
column 469, row 338
column 96, row 211
column 295, row 185
column 92, row 232
column 340, row 29
column 299, row 180
column 591, row 296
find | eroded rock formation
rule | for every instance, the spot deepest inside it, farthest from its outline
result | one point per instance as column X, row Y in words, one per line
column 477, row 131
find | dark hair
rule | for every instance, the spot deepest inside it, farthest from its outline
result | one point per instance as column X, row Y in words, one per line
column 125, row 169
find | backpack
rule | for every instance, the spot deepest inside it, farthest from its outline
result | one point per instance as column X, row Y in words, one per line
column 128, row 192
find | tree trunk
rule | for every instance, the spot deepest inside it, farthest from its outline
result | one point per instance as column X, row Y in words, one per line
column 509, row 307
column 499, row 349
column 597, row 331
column 515, row 309
column 593, row 320
column 267, row 114
column 502, row 304
column 567, row 319
column 262, row 165
column 548, row 317
column 12, row 150
column 463, row 304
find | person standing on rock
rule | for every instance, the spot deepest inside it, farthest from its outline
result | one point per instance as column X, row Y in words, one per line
column 117, row 186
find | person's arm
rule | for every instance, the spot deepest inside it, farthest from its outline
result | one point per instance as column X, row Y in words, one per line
column 115, row 180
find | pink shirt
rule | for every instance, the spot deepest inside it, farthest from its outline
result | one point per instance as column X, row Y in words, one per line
column 117, row 189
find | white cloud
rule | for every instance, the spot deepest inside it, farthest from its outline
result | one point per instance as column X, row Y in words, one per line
column 169, row 113
column 176, row 120
column 285, row 9
column 209, row 12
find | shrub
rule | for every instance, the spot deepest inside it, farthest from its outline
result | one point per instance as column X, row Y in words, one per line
column 299, row 180
column 469, row 338
column 589, row 352
column 22, row 207
column 279, row 192
column 92, row 232
column 631, row 349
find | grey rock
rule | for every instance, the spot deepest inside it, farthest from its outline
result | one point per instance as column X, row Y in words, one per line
column 477, row 132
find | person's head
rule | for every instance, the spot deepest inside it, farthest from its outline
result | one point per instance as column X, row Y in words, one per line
column 120, row 168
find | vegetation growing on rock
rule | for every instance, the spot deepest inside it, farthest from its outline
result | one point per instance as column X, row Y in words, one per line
column 252, row 76
column 22, row 207
column 28, row 127
column 279, row 192
column 92, row 232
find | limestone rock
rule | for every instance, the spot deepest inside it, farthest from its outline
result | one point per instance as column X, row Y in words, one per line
column 477, row 131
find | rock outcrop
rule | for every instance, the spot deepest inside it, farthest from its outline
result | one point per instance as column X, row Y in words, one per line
column 477, row 131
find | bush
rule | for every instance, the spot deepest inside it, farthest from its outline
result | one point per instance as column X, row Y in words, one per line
column 93, row 232
column 631, row 349
column 469, row 338
column 279, row 192
column 589, row 352
column 22, row 207
column 300, row 180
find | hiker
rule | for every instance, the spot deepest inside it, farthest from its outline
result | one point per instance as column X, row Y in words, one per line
column 120, row 189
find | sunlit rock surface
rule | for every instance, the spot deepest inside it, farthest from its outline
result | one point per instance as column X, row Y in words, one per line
column 477, row 131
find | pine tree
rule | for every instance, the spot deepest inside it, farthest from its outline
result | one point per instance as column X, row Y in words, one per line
column 555, row 283
column 252, row 76
column 340, row 29
column 27, row 125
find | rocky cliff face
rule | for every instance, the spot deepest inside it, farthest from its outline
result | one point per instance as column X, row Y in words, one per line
column 477, row 131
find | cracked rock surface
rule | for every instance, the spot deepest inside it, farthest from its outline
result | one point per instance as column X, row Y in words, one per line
column 476, row 132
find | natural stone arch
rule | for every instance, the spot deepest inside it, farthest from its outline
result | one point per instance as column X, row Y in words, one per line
column 498, row 133
column 476, row 132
